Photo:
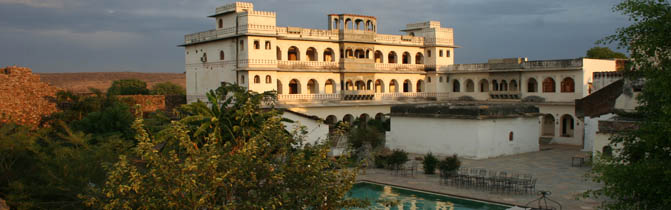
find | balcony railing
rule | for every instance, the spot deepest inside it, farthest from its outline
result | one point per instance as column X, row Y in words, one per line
column 307, row 65
column 358, row 95
column 400, row 67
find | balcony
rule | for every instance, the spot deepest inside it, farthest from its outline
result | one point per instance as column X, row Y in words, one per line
column 361, row 96
column 402, row 67
column 308, row 65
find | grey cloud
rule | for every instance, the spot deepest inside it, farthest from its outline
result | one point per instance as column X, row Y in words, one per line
column 141, row 35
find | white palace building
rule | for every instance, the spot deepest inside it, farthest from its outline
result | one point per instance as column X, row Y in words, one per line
column 348, row 70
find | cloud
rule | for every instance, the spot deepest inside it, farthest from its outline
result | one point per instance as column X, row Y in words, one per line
column 37, row 3
column 91, row 40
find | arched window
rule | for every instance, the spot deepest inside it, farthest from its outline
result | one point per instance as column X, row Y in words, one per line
column 532, row 85
column 447, row 52
column 348, row 24
column 359, row 24
column 331, row 120
column 313, row 87
column 407, row 85
column 242, row 79
column 379, row 57
column 504, row 86
column 440, row 53
column 549, row 85
column 567, row 126
column 221, row 55
column 293, row 54
column 348, row 118
column 392, row 57
column 268, row 79
column 204, row 58
column 221, row 23
column 279, row 54
column 470, row 86
column 257, row 45
column 311, row 53
column 428, row 53
column 379, row 116
column 369, row 85
column 268, row 46
column 440, row 79
column 369, row 26
column 349, row 85
column 456, row 87
column 329, row 55
column 257, row 79
column 349, row 53
column 419, row 58
column 513, row 85
column 360, row 85
column 406, row 58
column 379, row 86
column 368, row 53
column 242, row 45
column 294, row 87
column 484, row 85
column 420, row 86
column 393, row 86
column 567, row 85
column 336, row 24
column 329, row 87
column 359, row 53
column 495, row 85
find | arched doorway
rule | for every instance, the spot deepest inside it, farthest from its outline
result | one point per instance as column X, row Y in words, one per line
column 313, row 87
column 279, row 87
column 329, row 55
column 484, row 86
column 420, row 86
column 548, row 127
column 379, row 86
column 293, row 54
column 393, row 86
column 567, row 128
column 379, row 57
column 470, row 86
column 329, row 87
column 348, row 118
column 379, row 116
column 407, row 86
column 360, row 85
column 294, row 87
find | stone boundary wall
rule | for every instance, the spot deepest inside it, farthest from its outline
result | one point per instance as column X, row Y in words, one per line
column 24, row 99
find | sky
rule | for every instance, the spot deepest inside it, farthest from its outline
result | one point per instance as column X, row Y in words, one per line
column 143, row 35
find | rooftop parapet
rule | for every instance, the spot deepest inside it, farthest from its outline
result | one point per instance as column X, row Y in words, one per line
column 234, row 7
column 516, row 63
column 427, row 24
column 465, row 111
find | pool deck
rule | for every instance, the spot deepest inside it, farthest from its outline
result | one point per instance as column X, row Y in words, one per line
column 552, row 167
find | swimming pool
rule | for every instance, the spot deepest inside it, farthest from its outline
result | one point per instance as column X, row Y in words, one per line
column 399, row 198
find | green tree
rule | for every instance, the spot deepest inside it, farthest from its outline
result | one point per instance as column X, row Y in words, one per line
column 253, row 163
column 128, row 87
column 167, row 88
column 604, row 53
column 48, row 168
column 637, row 177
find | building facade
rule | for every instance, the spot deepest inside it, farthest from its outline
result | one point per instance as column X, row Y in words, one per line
column 348, row 70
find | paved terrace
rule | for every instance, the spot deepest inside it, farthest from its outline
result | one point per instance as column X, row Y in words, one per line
column 552, row 168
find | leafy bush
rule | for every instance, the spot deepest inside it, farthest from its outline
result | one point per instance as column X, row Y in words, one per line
column 361, row 135
column 167, row 88
column 430, row 163
column 381, row 161
column 451, row 163
column 128, row 87
column 397, row 158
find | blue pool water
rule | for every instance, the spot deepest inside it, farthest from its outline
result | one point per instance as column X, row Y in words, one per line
column 399, row 199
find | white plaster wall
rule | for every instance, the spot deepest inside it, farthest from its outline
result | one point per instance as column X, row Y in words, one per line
column 476, row 139
column 494, row 136
column 316, row 130
column 591, row 130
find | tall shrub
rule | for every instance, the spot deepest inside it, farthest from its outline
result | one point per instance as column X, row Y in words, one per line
column 430, row 163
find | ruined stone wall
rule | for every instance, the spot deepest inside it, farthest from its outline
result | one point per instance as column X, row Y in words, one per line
column 24, row 99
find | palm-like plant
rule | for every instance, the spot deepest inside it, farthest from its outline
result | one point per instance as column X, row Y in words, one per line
column 230, row 114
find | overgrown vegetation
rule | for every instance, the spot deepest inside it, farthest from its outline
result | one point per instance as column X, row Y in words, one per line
column 637, row 176
column 167, row 88
column 128, row 87
column 231, row 155
column 604, row 53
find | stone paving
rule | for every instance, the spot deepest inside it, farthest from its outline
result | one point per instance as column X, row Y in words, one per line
column 552, row 167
